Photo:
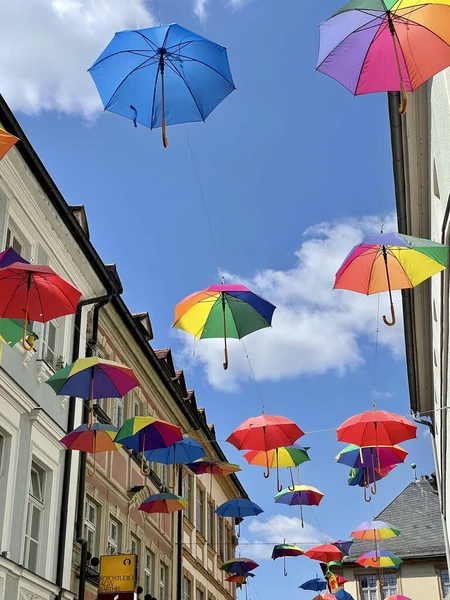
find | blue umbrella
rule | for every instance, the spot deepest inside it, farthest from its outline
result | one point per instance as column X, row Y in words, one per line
column 344, row 546
column 162, row 76
column 239, row 508
column 316, row 585
column 343, row 595
column 185, row 451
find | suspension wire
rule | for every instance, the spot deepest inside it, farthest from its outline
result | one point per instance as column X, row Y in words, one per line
column 375, row 367
column 157, row 12
column 258, row 391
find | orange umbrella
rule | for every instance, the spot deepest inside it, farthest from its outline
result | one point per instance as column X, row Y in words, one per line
column 7, row 141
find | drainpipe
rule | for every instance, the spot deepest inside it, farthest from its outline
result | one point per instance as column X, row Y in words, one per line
column 83, row 459
column 68, row 453
column 180, row 537
column 430, row 426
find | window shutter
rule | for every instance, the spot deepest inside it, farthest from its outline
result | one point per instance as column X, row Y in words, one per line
column 3, row 218
column 42, row 256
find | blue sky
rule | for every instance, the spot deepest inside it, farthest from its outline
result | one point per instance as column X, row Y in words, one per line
column 294, row 171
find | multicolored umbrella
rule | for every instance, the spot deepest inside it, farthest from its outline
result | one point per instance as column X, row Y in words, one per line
column 162, row 76
column 371, row 457
column 374, row 530
column 239, row 580
column 390, row 261
column 239, row 566
column 7, row 141
column 185, row 451
column 283, row 550
column 163, row 503
column 290, row 456
column 301, row 495
column 385, row 45
column 376, row 428
column 379, row 559
column 364, row 477
column 147, row 433
column 397, row 597
column 213, row 467
column 319, row 584
column 35, row 293
column 228, row 311
column 265, row 433
column 325, row 553
column 97, row 438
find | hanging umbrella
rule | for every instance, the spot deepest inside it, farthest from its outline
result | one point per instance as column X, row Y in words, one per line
column 163, row 503
column 376, row 428
column 325, row 553
column 239, row 566
column 7, row 141
column 213, row 467
column 93, row 378
column 371, row 457
column 238, row 508
column 385, row 45
column 319, row 584
column 342, row 594
column 302, row 495
column 147, row 433
column 397, row 597
column 162, row 76
column 340, row 581
column 379, row 559
column 375, row 530
column 283, row 550
column 290, row 456
column 10, row 256
column 265, row 433
column 97, row 438
column 344, row 546
column 364, row 477
column 324, row 597
column 239, row 580
column 35, row 293
column 180, row 453
column 390, row 261
column 223, row 311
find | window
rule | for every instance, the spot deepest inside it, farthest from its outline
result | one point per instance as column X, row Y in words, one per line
column 210, row 524
column 90, row 525
column 445, row 581
column 227, row 544
column 113, row 537
column 34, row 517
column 164, row 475
column 135, row 545
column 389, row 587
column 200, row 524
column 199, row 594
column 118, row 413
column 13, row 241
column 163, row 581
column 49, row 343
column 2, row 452
column 186, row 588
column 148, row 572
column 369, row 587
column 219, row 536
column 137, row 409
column 187, row 495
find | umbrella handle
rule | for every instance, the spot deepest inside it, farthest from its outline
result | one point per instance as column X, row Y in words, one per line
column 225, row 352
column 25, row 343
column 92, row 473
column 284, row 566
column 163, row 104
column 404, row 103
column 291, row 488
column 267, row 473
column 145, row 470
column 386, row 322
column 373, row 488
column 279, row 486
column 365, row 496
column 225, row 348
column 390, row 323
column 301, row 516
column 91, row 415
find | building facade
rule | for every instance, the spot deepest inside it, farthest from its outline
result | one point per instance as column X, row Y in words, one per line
column 423, row 572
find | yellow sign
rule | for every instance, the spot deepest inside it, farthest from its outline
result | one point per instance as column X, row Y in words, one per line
column 117, row 573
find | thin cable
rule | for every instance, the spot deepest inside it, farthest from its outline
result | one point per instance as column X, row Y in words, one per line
column 205, row 206
column 375, row 367
column 254, row 378
column 157, row 12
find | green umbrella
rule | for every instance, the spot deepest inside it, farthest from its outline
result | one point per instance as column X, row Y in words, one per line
column 11, row 330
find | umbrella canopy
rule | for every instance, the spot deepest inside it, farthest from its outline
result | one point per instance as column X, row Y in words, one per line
column 239, row 508
column 98, row 438
column 163, row 503
column 223, row 311
column 12, row 330
column 239, row 566
column 376, row 428
column 7, row 141
column 379, row 45
column 379, row 559
column 342, row 594
column 397, row 597
column 280, row 550
column 371, row 457
column 364, row 477
column 10, row 256
column 324, row 597
column 185, row 451
column 374, row 530
column 390, row 261
column 92, row 378
column 344, row 546
column 265, row 433
column 305, row 495
column 239, row 579
column 213, row 467
column 162, row 75
column 290, row 456
column 324, row 553
column 318, row 584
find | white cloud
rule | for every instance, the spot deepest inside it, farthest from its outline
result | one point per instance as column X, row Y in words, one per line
column 47, row 46
column 275, row 530
column 200, row 9
column 315, row 329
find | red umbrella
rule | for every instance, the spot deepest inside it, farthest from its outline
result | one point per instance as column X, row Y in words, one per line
column 35, row 293
column 376, row 428
column 265, row 433
column 324, row 553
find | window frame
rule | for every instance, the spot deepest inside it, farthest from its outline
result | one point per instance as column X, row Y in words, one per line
column 187, row 583
column 12, row 232
column 386, row 589
column 135, row 541
column 163, row 581
column 187, row 487
column 210, row 522
column 90, row 526
column 118, row 404
column 444, row 584
column 369, row 589
column 200, row 510
column 219, row 536
column 34, row 504
column 199, row 594
column 149, row 572
column 112, row 543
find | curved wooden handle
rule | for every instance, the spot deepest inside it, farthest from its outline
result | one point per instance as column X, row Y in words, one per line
column 390, row 323
column 225, row 352
column 404, row 104
column 365, row 496
column 291, row 488
column 164, row 138
column 28, row 345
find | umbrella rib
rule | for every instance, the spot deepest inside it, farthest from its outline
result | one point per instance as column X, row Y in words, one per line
column 377, row 34
column 141, row 66
column 156, row 83
column 174, row 68
column 393, row 256
column 152, row 45
column 113, row 54
column 189, row 58
column 22, row 282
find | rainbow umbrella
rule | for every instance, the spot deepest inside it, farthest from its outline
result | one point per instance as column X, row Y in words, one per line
column 286, row 456
column 228, row 311
column 283, row 550
column 97, row 438
column 390, row 261
column 163, row 503
column 364, row 477
column 7, row 141
column 92, row 378
column 379, row 559
column 374, row 530
column 239, row 566
column 397, row 597
column 147, row 433
column 301, row 495
column 239, row 580
column 385, row 45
